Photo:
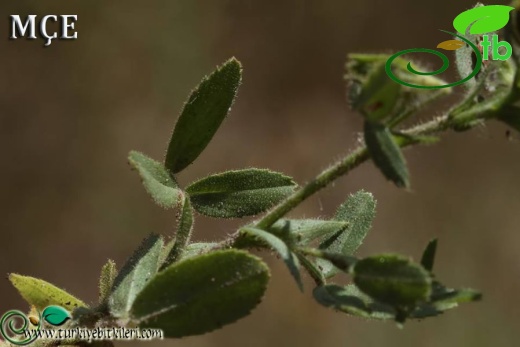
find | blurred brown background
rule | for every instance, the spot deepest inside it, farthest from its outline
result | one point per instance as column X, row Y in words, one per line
column 71, row 112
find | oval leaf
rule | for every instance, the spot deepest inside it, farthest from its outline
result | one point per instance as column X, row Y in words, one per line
column 386, row 154
column 203, row 293
column 134, row 275
column 482, row 19
column 41, row 294
column 202, row 115
column 392, row 279
column 290, row 259
column 156, row 180
column 55, row 315
column 239, row 193
column 451, row 45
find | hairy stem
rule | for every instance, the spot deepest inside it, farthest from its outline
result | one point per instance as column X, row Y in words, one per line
column 359, row 156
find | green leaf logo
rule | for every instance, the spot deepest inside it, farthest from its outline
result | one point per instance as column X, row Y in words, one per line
column 483, row 19
column 55, row 315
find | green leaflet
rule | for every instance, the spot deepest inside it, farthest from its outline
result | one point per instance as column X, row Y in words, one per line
column 239, row 193
column 290, row 259
column 393, row 280
column 156, row 180
column 134, row 275
column 41, row 294
column 358, row 211
column 183, row 235
column 202, row 115
column 201, row 294
column 304, row 231
column 428, row 257
column 386, row 154
column 106, row 280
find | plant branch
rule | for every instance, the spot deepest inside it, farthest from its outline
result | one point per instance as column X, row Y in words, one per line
column 360, row 155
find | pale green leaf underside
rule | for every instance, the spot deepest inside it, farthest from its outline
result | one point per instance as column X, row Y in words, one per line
column 303, row 231
column 202, row 293
column 134, row 275
column 156, row 180
column 41, row 294
column 358, row 211
column 239, row 193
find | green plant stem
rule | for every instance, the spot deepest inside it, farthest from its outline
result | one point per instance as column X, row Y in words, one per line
column 351, row 161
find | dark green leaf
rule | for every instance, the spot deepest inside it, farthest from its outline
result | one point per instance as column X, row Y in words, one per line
column 392, row 279
column 183, row 235
column 41, row 294
column 290, row 259
column 202, row 115
column 55, row 315
column 239, row 193
column 428, row 257
column 358, row 211
column 106, row 280
column 482, row 19
column 134, row 275
column 304, row 231
column 386, row 154
column 203, row 293
column 156, row 180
